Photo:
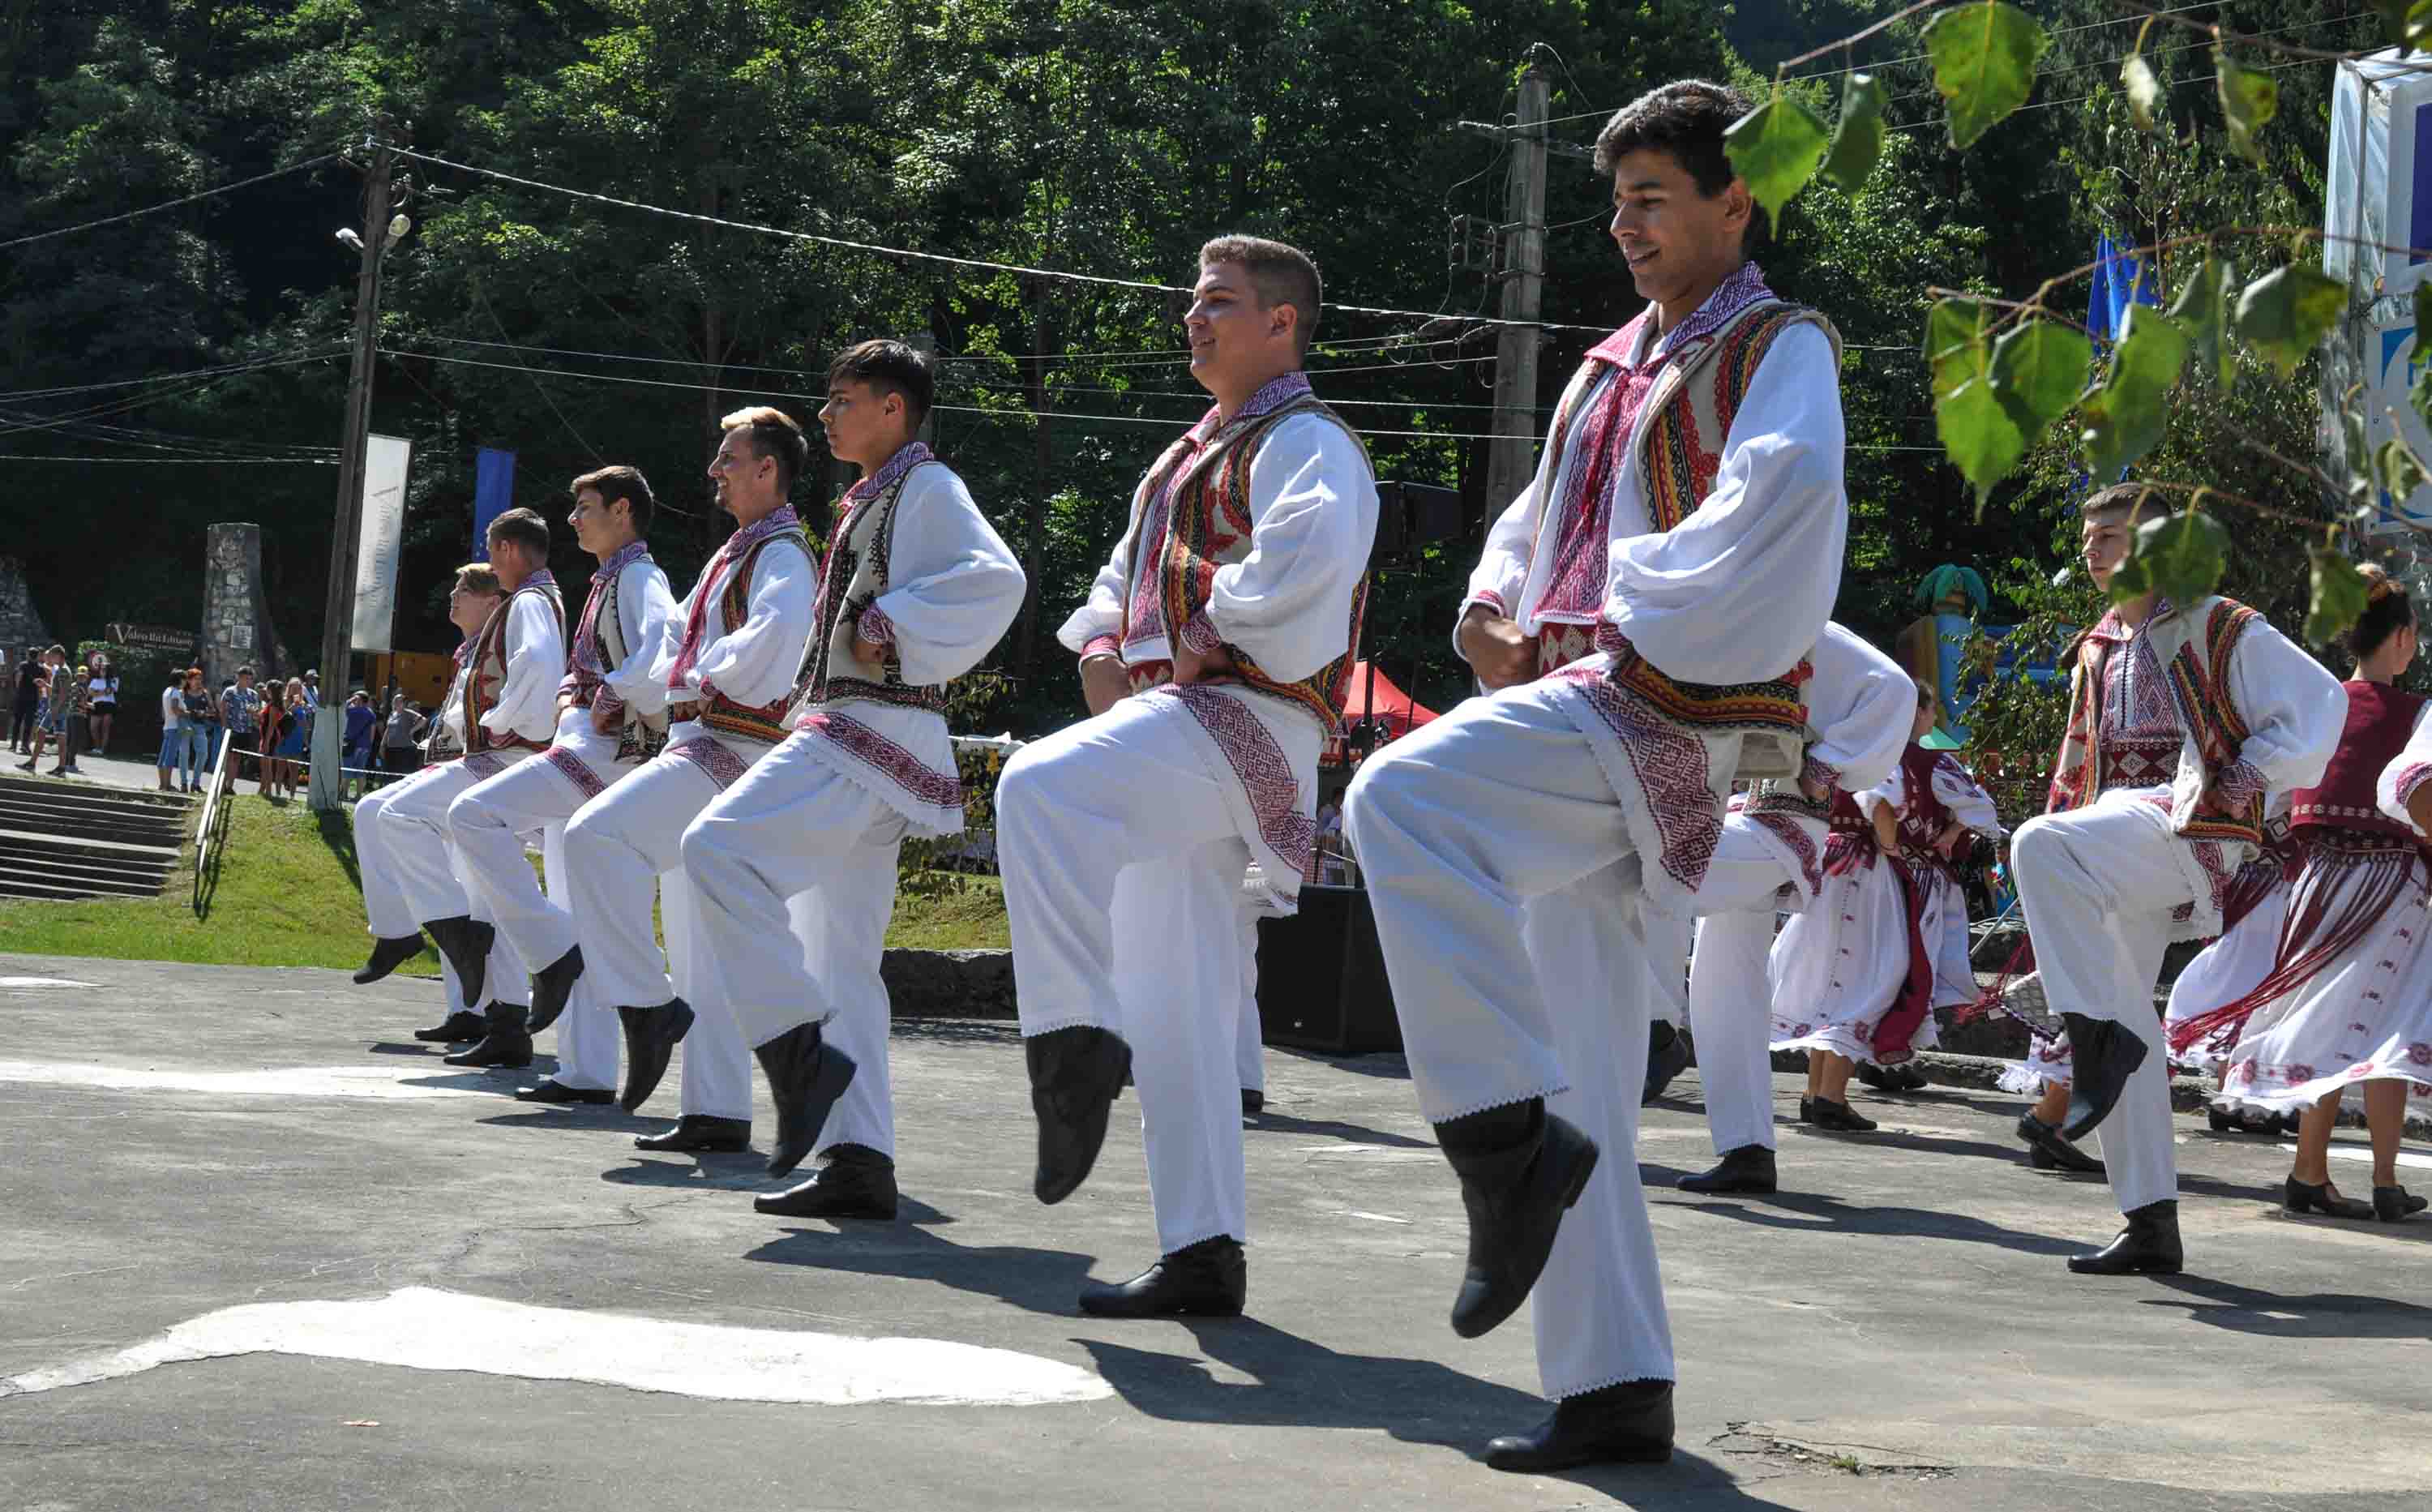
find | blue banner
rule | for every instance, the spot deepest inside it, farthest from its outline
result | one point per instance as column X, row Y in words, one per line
column 494, row 494
column 2120, row 280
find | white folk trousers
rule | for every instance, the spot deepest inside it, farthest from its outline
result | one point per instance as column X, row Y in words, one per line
column 414, row 825
column 797, row 828
column 1116, row 828
column 386, row 913
column 1504, row 883
column 1249, row 1037
column 2099, row 885
column 1731, row 994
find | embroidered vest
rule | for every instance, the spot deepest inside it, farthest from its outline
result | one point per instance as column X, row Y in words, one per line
column 1923, row 816
column 854, row 575
column 438, row 745
column 2193, row 647
column 1208, row 526
column 2380, row 720
column 487, row 668
column 765, row 723
column 639, row 737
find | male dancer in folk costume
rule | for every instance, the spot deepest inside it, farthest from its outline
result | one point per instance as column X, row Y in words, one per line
column 508, row 700
column 470, row 603
column 2182, row 720
column 917, row 586
column 729, row 673
column 1242, row 567
column 610, row 718
column 2348, row 1001
column 1771, row 859
column 1606, row 781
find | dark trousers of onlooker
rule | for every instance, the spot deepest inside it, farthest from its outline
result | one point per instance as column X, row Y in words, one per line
column 21, row 726
column 72, row 742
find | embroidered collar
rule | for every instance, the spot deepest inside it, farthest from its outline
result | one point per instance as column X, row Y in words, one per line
column 778, row 519
column 2111, row 628
column 542, row 579
column 1744, row 287
column 624, row 556
column 1272, row 396
column 897, row 465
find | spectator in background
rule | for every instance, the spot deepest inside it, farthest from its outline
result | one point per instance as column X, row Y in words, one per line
column 399, row 733
column 48, row 678
column 30, row 700
column 241, row 711
column 105, row 704
column 273, row 723
column 313, row 690
column 294, row 732
column 201, row 728
column 173, row 731
column 358, row 735
column 71, row 719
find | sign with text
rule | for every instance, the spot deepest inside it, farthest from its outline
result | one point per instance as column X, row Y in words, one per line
column 385, row 459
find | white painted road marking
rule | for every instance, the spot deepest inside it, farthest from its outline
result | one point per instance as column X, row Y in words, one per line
column 385, row 1081
column 423, row 1329
column 42, row 981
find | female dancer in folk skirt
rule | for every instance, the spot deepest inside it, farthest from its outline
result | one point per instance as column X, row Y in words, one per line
column 2349, row 997
column 2252, row 912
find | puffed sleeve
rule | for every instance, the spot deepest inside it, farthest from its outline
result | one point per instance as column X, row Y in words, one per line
column 1969, row 804
column 526, row 703
column 757, row 664
column 1096, row 628
column 956, row 584
column 2407, row 771
column 647, row 615
column 1860, row 704
column 1288, row 604
column 2295, row 710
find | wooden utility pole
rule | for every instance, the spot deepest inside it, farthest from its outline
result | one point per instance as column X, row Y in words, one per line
column 1522, row 267
column 338, row 621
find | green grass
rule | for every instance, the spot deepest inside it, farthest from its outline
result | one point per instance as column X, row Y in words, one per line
column 289, row 895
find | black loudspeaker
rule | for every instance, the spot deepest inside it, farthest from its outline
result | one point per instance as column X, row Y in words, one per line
column 1322, row 976
column 1411, row 515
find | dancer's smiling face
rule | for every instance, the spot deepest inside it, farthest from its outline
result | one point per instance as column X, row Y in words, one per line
column 1236, row 342
column 1679, row 241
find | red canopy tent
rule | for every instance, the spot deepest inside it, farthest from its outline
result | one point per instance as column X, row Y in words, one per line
column 1394, row 712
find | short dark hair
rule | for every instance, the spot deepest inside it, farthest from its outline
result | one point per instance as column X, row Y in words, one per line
column 777, row 436
column 1282, row 274
column 889, row 367
column 1686, row 118
column 524, row 528
column 2122, row 498
column 246, row 670
column 621, row 484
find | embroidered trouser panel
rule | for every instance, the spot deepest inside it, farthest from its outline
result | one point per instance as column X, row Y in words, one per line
column 422, row 855
column 797, row 828
column 2099, row 885
column 1117, row 829
column 487, row 822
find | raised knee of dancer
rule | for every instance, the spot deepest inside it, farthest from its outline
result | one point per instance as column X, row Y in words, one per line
column 2034, row 847
column 467, row 814
column 1377, row 796
column 703, row 849
column 587, row 842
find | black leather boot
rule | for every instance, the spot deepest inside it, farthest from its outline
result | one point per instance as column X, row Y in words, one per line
column 1667, row 1056
column 558, row 1093
column 553, row 985
column 855, row 1181
column 388, row 954
column 1209, row 1278
column 2048, row 1151
column 651, row 1035
column 467, row 945
column 2149, row 1246
column 508, row 1043
column 1520, row 1169
column 805, row 1079
column 1075, row 1073
column 461, row 1026
column 1749, row 1168
column 700, row 1134
column 2103, row 1055
column 2395, row 1204
column 1626, row 1424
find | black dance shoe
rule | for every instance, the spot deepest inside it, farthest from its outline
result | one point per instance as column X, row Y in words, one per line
column 651, row 1035
column 1254, row 1102
column 2048, row 1151
column 1667, row 1058
column 855, row 1181
column 2298, row 1199
column 466, row 944
column 805, row 1079
column 1806, row 1109
column 1520, row 1168
column 507, row 1044
column 2395, row 1204
column 461, row 1027
column 700, row 1134
column 1209, row 1278
column 2149, row 1246
column 2103, row 1055
column 1075, row 1073
column 388, row 954
column 1840, row 1118
column 558, row 1091
column 1749, row 1168
column 553, row 985
column 1626, row 1424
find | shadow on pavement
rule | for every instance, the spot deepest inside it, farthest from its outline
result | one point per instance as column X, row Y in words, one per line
column 741, row 1169
column 2275, row 1314
column 1272, row 1122
column 1037, row 1281
column 1813, row 1210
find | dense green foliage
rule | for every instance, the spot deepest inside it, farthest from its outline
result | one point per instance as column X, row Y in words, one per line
column 1099, row 136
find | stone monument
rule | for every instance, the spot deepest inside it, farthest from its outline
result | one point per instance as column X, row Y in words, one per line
column 21, row 623
column 236, row 615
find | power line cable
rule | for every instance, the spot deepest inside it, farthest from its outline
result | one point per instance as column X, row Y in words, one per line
column 250, row 364
column 170, row 204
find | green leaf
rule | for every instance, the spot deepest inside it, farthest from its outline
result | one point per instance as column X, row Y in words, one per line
column 2396, row 471
column 1775, row 148
column 2423, row 303
column 1977, row 431
column 2407, row 23
column 1858, row 137
column 2284, row 314
column 2129, row 580
column 2039, row 371
column 1983, row 63
column 2339, row 595
column 2248, row 99
column 2203, row 312
column 2184, row 553
column 2126, row 414
column 2144, row 90
column 2420, row 395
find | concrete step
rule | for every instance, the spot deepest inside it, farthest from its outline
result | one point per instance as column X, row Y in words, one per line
column 156, row 857
column 69, row 821
column 43, row 889
column 134, row 802
column 149, row 869
column 79, row 883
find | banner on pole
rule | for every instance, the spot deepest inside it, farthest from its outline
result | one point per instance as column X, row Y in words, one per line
column 385, row 459
column 494, row 494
